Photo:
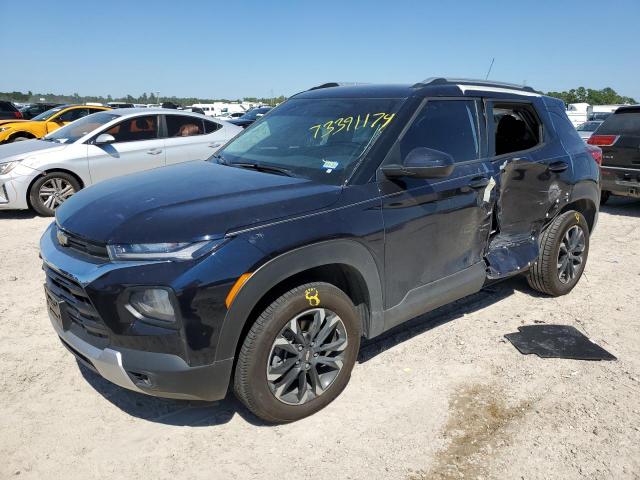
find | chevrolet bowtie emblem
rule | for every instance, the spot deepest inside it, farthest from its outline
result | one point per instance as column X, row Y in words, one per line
column 63, row 240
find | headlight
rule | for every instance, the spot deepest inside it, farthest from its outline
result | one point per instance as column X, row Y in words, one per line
column 163, row 251
column 7, row 167
column 153, row 303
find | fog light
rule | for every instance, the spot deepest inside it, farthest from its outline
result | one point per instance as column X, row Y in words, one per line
column 154, row 303
column 4, row 198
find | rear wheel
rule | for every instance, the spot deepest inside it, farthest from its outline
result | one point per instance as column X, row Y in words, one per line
column 299, row 353
column 564, row 248
column 604, row 197
column 20, row 139
column 51, row 190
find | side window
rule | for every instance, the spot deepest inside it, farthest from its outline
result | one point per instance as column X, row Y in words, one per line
column 450, row 126
column 134, row 129
column 516, row 127
column 183, row 126
column 210, row 127
column 74, row 114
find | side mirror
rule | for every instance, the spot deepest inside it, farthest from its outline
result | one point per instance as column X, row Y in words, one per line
column 104, row 138
column 422, row 162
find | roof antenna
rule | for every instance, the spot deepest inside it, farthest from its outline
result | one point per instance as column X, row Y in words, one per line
column 490, row 67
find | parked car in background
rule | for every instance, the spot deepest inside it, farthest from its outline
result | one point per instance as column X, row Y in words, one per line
column 251, row 116
column 121, row 105
column 341, row 214
column 194, row 110
column 42, row 174
column 9, row 111
column 35, row 109
column 619, row 139
column 47, row 122
column 587, row 128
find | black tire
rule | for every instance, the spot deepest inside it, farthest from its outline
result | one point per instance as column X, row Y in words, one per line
column 251, row 384
column 604, row 196
column 544, row 275
column 39, row 204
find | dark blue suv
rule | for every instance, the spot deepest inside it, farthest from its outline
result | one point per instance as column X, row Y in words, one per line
column 340, row 214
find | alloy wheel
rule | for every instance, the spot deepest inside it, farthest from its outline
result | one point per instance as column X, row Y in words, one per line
column 306, row 356
column 571, row 254
column 54, row 192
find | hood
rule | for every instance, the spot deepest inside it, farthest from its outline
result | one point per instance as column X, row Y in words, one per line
column 23, row 149
column 186, row 202
column 4, row 123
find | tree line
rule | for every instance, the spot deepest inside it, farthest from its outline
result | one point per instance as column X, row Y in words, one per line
column 606, row 96
column 32, row 97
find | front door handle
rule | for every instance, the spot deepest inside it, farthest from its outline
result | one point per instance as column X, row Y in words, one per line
column 558, row 167
column 154, row 151
column 479, row 182
column 215, row 144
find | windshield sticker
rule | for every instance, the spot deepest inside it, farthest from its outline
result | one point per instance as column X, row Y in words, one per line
column 329, row 166
column 372, row 120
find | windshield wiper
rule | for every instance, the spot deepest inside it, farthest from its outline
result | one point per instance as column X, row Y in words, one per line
column 262, row 168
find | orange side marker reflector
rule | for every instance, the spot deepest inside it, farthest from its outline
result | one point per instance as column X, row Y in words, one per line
column 242, row 279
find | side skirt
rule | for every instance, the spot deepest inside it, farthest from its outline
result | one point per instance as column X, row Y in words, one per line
column 436, row 294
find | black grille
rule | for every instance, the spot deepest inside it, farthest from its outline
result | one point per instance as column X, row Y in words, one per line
column 75, row 304
column 81, row 245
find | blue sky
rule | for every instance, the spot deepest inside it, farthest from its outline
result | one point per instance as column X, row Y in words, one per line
column 238, row 48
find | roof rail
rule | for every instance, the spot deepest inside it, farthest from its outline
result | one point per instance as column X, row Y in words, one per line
column 470, row 81
column 336, row 84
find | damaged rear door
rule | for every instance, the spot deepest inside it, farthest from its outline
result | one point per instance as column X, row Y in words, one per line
column 533, row 174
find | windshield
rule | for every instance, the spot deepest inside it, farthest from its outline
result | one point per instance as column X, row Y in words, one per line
column 48, row 114
column 78, row 129
column 253, row 114
column 316, row 139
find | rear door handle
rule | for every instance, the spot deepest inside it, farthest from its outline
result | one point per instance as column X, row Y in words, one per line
column 558, row 167
column 479, row 182
column 154, row 151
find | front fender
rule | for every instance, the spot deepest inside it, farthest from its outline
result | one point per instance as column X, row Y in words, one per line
column 341, row 251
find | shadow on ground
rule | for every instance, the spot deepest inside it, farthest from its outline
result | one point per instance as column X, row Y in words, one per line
column 628, row 207
column 17, row 214
column 203, row 414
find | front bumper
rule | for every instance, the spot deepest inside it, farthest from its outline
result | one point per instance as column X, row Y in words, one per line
column 621, row 181
column 156, row 374
column 13, row 190
column 131, row 357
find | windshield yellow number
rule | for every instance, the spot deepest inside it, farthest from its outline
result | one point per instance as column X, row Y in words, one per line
column 376, row 120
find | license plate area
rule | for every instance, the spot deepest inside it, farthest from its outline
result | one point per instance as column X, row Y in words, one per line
column 56, row 309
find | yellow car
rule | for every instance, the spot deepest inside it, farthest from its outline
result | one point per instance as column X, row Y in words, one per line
column 46, row 122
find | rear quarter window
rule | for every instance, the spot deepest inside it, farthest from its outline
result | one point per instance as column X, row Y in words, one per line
column 624, row 122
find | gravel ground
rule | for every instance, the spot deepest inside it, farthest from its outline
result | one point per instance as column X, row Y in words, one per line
column 443, row 397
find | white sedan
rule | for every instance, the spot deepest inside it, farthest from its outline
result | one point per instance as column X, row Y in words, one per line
column 41, row 174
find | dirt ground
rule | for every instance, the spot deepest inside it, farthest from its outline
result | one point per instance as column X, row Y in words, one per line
column 443, row 397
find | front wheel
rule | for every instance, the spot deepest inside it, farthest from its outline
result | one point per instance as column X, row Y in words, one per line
column 564, row 247
column 298, row 355
column 51, row 190
column 604, row 197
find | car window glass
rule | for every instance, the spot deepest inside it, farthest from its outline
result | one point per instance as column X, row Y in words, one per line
column 134, row 129
column 183, row 126
column 73, row 114
column 516, row 128
column 210, row 127
column 449, row 126
column 622, row 122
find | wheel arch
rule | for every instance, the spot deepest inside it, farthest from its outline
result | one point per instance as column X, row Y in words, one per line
column 25, row 134
column 346, row 264
column 48, row 171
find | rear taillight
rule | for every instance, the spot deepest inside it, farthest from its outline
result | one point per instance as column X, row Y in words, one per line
column 603, row 140
column 596, row 153
column 18, row 114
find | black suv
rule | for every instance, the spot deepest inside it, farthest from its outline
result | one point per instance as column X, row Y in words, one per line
column 338, row 215
column 619, row 139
